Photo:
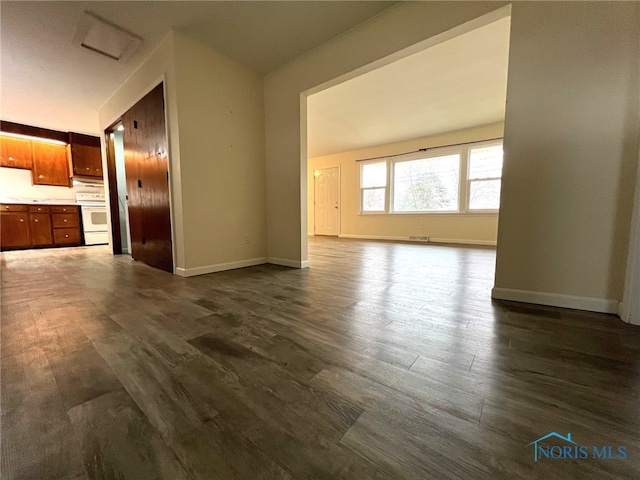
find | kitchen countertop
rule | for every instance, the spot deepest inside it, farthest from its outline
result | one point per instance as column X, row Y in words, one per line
column 37, row 201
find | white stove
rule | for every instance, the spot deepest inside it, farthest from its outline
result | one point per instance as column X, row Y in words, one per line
column 93, row 207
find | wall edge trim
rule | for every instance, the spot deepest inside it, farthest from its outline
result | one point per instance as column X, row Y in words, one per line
column 219, row 267
column 591, row 304
column 457, row 241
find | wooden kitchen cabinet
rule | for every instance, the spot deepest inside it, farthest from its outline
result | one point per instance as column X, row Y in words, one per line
column 40, row 226
column 86, row 155
column 37, row 226
column 14, row 227
column 50, row 164
column 15, row 152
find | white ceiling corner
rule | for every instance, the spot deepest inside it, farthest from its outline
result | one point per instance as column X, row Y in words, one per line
column 48, row 81
column 457, row 84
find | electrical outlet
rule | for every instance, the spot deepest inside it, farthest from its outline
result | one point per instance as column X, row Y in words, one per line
column 421, row 226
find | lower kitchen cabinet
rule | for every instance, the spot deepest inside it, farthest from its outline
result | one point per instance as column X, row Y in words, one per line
column 40, row 225
column 28, row 226
column 14, row 229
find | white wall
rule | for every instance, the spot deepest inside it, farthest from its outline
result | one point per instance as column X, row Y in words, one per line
column 571, row 136
column 221, row 115
column 16, row 185
column 407, row 28
column 479, row 229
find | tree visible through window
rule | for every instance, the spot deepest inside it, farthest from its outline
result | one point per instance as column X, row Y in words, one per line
column 426, row 185
column 485, row 172
column 373, row 185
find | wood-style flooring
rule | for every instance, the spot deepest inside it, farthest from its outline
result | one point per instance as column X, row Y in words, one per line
column 381, row 361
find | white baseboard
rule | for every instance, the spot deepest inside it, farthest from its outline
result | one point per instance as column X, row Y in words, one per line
column 602, row 305
column 459, row 241
column 462, row 241
column 285, row 262
column 219, row 267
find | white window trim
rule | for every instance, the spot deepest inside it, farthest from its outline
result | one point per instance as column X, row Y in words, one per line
column 385, row 187
column 464, row 182
column 469, row 147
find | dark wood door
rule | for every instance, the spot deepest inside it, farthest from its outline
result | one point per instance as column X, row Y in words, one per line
column 50, row 164
column 14, row 229
column 40, row 224
column 147, row 172
column 15, row 152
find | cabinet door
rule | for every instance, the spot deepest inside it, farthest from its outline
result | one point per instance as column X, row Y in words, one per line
column 40, row 224
column 87, row 161
column 15, row 152
column 14, row 229
column 50, row 164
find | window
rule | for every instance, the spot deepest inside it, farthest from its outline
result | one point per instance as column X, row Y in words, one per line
column 426, row 184
column 373, row 187
column 459, row 179
column 485, row 172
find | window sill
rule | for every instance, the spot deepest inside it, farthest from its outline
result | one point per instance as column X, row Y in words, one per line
column 427, row 214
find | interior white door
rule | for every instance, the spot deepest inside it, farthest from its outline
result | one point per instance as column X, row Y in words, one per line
column 326, row 201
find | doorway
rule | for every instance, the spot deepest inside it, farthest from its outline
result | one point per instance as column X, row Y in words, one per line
column 326, row 201
column 138, row 172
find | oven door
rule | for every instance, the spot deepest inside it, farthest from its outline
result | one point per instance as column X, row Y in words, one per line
column 94, row 225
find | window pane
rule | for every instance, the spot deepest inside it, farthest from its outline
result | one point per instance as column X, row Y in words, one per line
column 484, row 195
column 426, row 185
column 373, row 200
column 374, row 175
column 485, row 162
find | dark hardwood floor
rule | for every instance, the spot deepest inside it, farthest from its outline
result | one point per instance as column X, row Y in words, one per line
column 381, row 361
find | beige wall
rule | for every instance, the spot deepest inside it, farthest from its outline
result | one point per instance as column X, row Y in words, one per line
column 221, row 115
column 571, row 136
column 215, row 122
column 472, row 228
column 407, row 28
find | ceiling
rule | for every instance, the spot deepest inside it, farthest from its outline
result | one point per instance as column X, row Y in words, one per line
column 48, row 82
column 457, row 84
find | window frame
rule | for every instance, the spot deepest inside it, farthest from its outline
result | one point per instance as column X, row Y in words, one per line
column 385, row 187
column 473, row 146
column 464, row 182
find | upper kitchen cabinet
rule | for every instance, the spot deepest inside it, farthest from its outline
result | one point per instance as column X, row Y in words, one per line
column 86, row 155
column 15, row 152
column 50, row 164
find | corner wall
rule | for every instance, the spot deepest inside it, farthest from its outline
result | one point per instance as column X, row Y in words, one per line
column 221, row 115
column 571, row 136
column 477, row 229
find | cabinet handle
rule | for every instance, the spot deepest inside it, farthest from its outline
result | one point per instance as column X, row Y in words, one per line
column 87, row 168
column 22, row 220
column 67, row 235
column 11, row 159
column 65, row 220
column 35, row 220
column 40, row 176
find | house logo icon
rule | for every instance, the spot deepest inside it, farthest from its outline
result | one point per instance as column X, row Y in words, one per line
column 549, row 435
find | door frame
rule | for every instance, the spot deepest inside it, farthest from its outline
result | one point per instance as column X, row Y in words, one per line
column 116, row 234
column 110, row 157
column 339, row 197
column 629, row 308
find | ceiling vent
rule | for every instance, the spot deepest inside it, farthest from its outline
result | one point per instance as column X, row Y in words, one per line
column 100, row 36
